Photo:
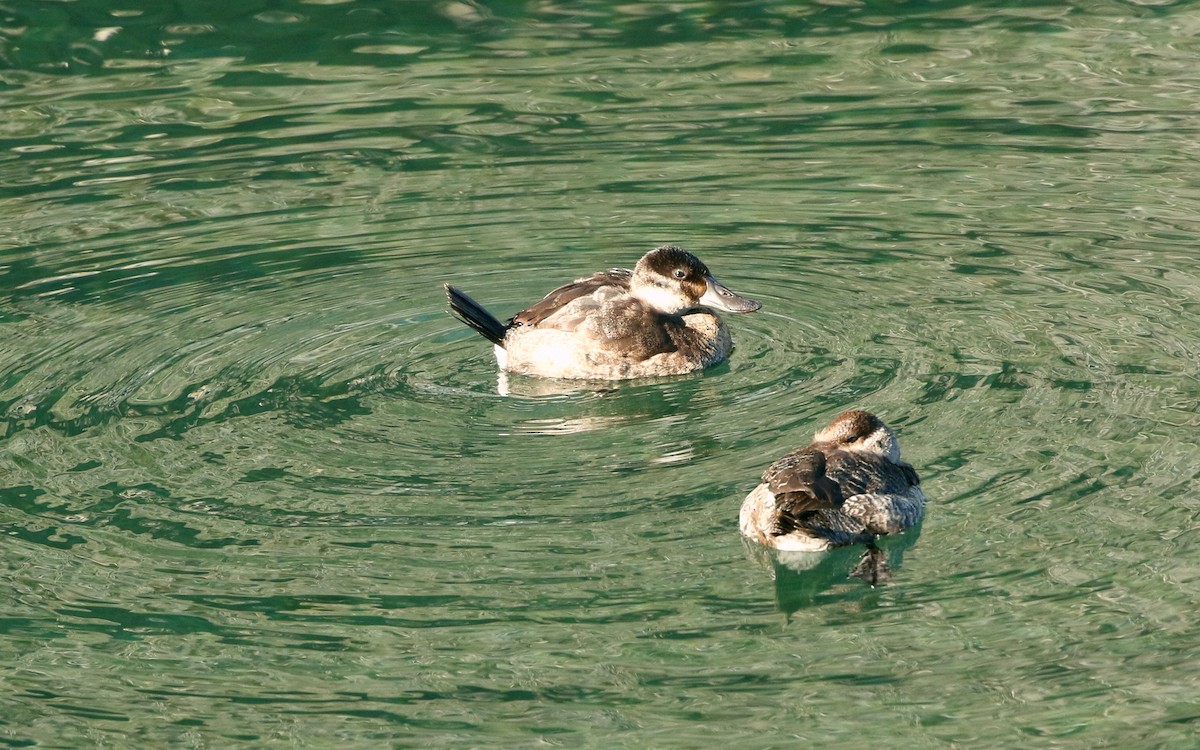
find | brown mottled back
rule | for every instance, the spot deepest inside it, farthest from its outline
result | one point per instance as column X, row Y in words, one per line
column 567, row 293
column 798, row 481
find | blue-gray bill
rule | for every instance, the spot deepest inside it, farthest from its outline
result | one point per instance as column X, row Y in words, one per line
column 722, row 297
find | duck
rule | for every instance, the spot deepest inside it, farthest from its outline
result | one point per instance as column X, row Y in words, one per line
column 654, row 320
column 849, row 486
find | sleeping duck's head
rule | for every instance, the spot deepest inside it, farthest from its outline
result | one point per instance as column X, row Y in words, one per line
column 858, row 430
column 673, row 281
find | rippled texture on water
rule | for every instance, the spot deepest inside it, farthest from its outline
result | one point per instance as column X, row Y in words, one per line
column 259, row 489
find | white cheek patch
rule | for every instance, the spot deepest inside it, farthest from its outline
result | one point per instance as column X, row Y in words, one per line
column 663, row 299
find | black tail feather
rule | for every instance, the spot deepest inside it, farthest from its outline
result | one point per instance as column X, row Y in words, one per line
column 472, row 313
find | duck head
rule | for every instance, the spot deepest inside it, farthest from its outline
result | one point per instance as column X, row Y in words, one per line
column 858, row 430
column 673, row 281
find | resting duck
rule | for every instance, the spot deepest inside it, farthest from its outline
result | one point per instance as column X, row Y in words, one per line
column 848, row 486
column 655, row 320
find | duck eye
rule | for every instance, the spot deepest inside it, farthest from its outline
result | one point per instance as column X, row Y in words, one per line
column 680, row 273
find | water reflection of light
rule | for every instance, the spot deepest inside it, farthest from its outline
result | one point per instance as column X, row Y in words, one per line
column 568, row 426
column 677, row 456
column 520, row 385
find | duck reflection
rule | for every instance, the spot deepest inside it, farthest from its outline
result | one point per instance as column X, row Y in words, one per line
column 802, row 577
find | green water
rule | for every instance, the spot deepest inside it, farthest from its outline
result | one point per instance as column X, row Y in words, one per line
column 258, row 489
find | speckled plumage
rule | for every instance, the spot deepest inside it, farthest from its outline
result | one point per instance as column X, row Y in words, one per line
column 848, row 486
column 655, row 320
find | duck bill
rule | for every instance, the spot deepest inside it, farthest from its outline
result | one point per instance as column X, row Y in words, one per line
column 722, row 298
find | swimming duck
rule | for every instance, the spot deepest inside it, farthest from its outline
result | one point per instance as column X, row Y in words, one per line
column 655, row 320
column 848, row 486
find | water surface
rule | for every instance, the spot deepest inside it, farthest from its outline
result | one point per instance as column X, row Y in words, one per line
column 258, row 488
